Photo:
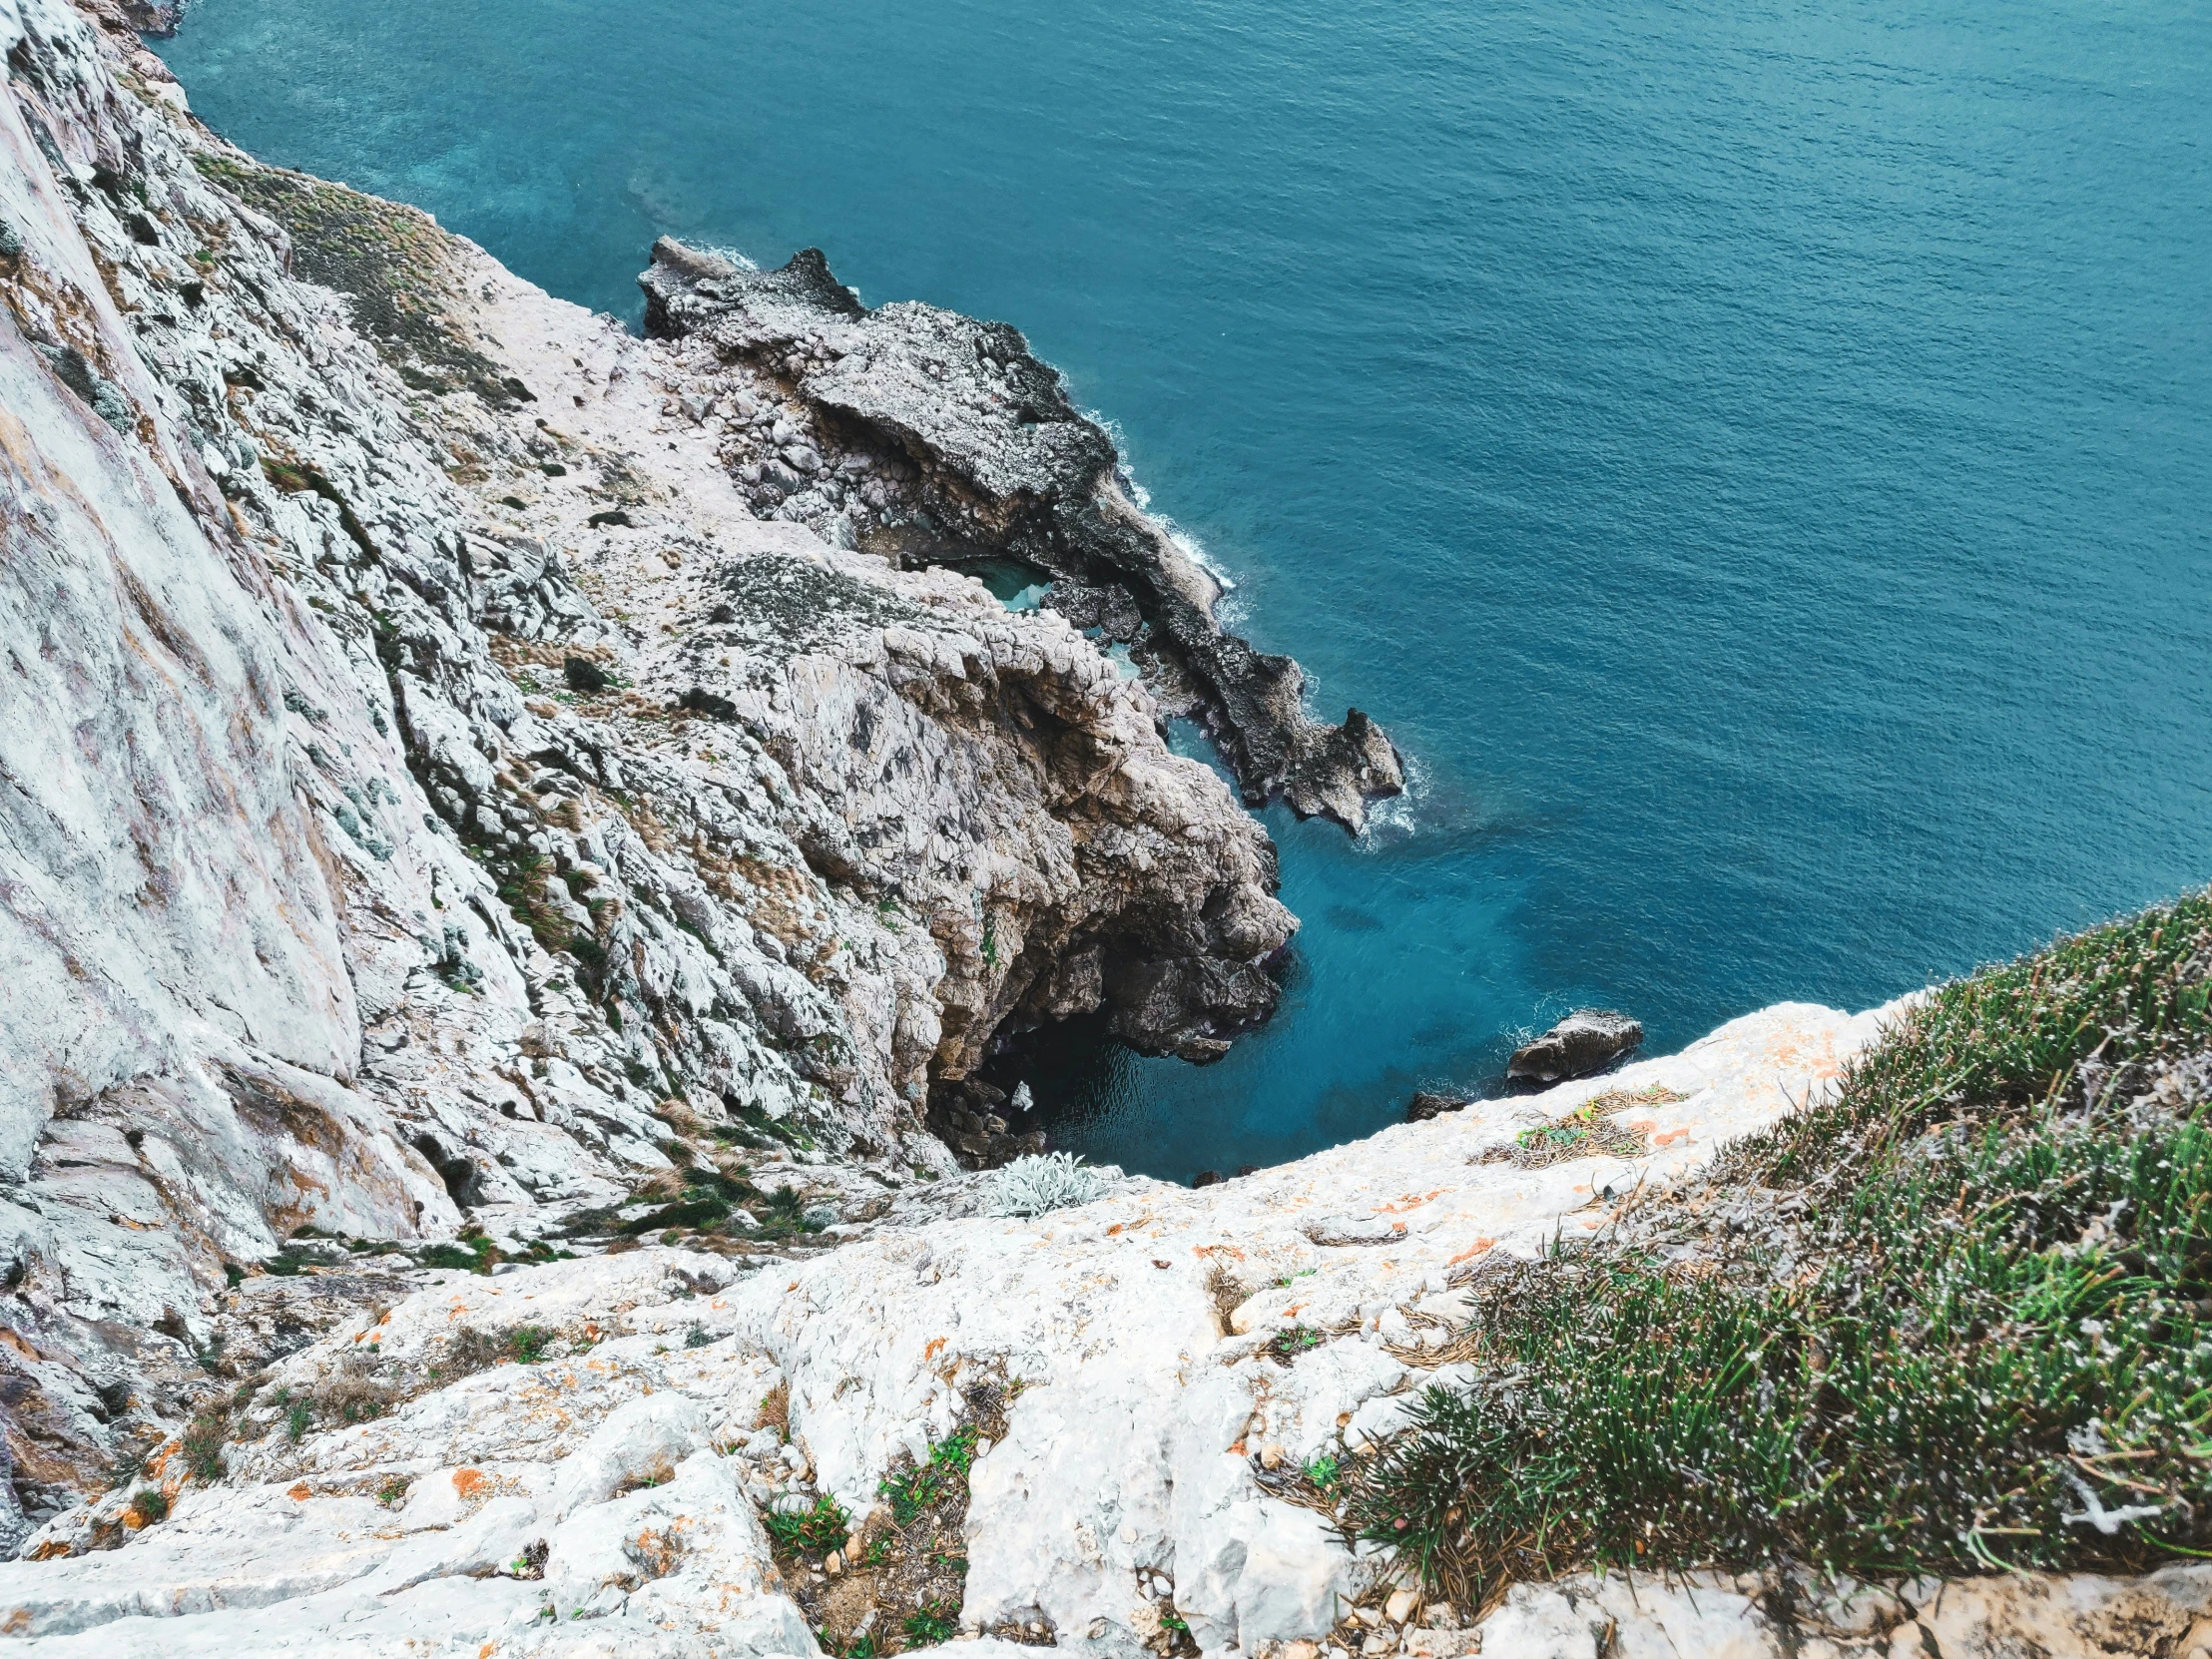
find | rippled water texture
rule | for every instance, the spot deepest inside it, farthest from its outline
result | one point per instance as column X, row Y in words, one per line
column 1754, row 460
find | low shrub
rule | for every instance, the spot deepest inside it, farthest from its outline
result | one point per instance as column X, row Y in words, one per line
column 468, row 1351
column 201, row 1444
column 697, row 1212
column 1966, row 1327
column 473, row 1254
column 353, row 1399
column 1035, row 1185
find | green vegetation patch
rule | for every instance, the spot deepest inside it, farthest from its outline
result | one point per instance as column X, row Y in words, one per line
column 202, row 1443
column 906, row 1571
column 392, row 260
column 1956, row 1319
column 934, row 1623
column 814, row 1531
column 703, row 1210
column 913, row 1488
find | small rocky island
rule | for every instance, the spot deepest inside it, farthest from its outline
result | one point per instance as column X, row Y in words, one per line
column 1586, row 1041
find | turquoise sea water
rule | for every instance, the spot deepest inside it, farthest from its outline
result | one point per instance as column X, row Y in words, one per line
column 1756, row 459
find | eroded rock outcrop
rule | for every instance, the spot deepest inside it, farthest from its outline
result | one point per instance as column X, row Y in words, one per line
column 1587, row 1040
column 428, row 781
column 934, row 438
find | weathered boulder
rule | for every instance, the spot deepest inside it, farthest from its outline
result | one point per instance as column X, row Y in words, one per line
column 1587, row 1040
column 1428, row 1104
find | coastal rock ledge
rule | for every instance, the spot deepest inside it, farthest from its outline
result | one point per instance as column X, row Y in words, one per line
column 933, row 439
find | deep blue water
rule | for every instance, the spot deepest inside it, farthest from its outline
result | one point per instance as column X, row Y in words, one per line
column 1755, row 458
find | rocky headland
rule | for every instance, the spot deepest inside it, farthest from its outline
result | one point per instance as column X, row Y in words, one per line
column 516, row 841
column 931, row 438
column 435, row 791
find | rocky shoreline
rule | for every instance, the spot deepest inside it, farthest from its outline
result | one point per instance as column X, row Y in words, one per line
column 515, row 845
column 475, row 802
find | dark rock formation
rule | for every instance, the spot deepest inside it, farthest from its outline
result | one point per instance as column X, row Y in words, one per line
column 966, row 1116
column 1587, row 1040
column 938, row 439
column 1425, row 1105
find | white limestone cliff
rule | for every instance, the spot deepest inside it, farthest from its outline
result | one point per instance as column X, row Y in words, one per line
column 337, row 897
column 334, row 895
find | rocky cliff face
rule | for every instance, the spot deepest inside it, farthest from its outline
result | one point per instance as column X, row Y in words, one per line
column 431, row 789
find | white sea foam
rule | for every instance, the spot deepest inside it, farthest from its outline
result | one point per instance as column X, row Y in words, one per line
column 1195, row 550
column 1185, row 543
column 1398, row 819
column 722, row 250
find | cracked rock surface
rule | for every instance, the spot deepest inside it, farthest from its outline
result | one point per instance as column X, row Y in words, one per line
column 610, row 1486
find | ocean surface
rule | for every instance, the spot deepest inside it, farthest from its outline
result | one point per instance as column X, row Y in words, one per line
column 1756, row 459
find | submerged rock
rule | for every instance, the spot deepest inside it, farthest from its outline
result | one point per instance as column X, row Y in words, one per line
column 973, row 452
column 1587, row 1040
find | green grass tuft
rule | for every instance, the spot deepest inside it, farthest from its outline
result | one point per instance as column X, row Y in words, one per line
column 913, row 1490
column 816, row 1531
column 201, row 1444
column 934, row 1623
